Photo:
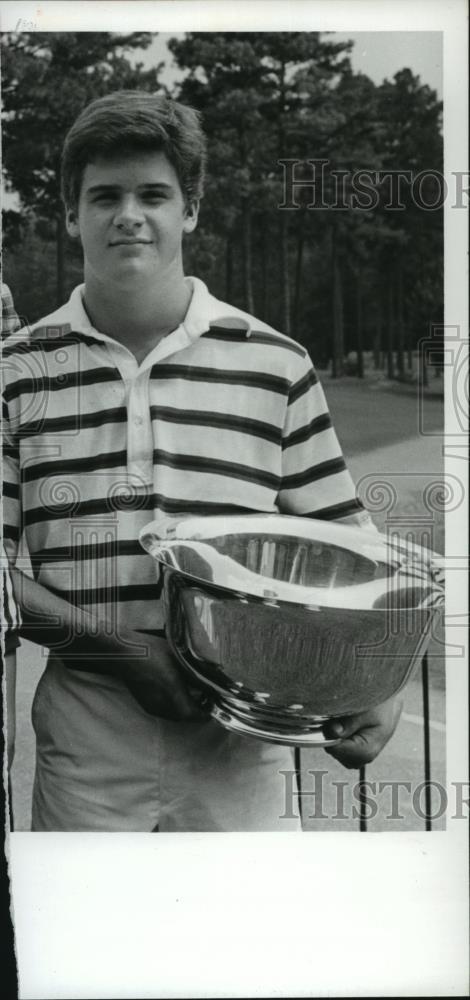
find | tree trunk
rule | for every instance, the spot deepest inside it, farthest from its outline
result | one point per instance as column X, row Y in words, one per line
column 338, row 330
column 247, row 259
column 400, row 324
column 298, row 273
column 390, row 331
column 264, row 272
column 423, row 371
column 378, row 337
column 229, row 267
column 60, row 260
column 285, row 286
column 359, row 338
column 409, row 356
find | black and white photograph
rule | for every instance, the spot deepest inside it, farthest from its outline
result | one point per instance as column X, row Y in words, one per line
column 235, row 405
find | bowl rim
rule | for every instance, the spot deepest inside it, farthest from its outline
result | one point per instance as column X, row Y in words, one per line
column 370, row 543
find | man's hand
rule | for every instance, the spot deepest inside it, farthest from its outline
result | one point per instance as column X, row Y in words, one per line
column 363, row 736
column 84, row 641
column 157, row 682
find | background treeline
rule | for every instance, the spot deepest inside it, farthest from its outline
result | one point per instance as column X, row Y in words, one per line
column 338, row 281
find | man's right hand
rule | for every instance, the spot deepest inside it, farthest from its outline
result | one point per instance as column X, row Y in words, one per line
column 76, row 636
column 156, row 681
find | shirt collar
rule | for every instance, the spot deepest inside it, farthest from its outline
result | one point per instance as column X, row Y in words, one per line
column 204, row 311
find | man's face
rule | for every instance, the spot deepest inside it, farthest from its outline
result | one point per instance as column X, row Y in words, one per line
column 131, row 218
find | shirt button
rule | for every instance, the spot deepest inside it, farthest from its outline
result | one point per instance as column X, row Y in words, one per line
column 138, row 421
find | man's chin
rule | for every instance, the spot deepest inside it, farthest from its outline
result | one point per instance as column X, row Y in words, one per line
column 132, row 274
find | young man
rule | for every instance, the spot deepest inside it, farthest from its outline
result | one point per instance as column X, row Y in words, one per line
column 144, row 394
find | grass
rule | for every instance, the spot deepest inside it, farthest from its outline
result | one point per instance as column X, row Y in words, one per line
column 390, row 436
column 367, row 416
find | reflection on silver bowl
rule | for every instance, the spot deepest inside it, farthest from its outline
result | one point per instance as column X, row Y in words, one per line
column 288, row 622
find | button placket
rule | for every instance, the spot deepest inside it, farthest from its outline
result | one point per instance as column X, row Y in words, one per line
column 139, row 436
column 140, row 442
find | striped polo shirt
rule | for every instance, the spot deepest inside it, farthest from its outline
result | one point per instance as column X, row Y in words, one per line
column 224, row 415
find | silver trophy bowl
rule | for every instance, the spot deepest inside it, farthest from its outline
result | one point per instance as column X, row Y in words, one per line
column 288, row 622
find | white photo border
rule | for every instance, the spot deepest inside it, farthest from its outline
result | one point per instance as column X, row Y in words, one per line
column 263, row 915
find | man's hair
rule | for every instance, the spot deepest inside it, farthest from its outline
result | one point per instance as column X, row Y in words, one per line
column 126, row 122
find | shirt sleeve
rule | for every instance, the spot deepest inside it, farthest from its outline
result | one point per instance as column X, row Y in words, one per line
column 10, row 320
column 315, row 479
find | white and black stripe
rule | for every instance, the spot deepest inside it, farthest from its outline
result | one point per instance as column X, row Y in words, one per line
column 227, row 414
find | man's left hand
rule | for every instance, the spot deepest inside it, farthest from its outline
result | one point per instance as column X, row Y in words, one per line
column 363, row 736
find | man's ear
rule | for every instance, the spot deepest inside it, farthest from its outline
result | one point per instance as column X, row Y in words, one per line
column 71, row 222
column 190, row 217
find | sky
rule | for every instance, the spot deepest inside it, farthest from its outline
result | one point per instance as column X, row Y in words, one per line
column 378, row 54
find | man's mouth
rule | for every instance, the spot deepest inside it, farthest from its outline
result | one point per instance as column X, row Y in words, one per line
column 129, row 243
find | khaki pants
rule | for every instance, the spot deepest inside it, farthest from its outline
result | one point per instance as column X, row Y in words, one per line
column 103, row 764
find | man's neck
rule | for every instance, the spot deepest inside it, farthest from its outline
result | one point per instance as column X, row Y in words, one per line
column 137, row 319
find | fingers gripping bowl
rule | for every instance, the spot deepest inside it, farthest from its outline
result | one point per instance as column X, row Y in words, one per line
column 288, row 622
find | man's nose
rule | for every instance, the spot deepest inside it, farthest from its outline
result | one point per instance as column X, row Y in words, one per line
column 129, row 213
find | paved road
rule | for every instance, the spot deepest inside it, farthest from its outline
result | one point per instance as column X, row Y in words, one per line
column 410, row 466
